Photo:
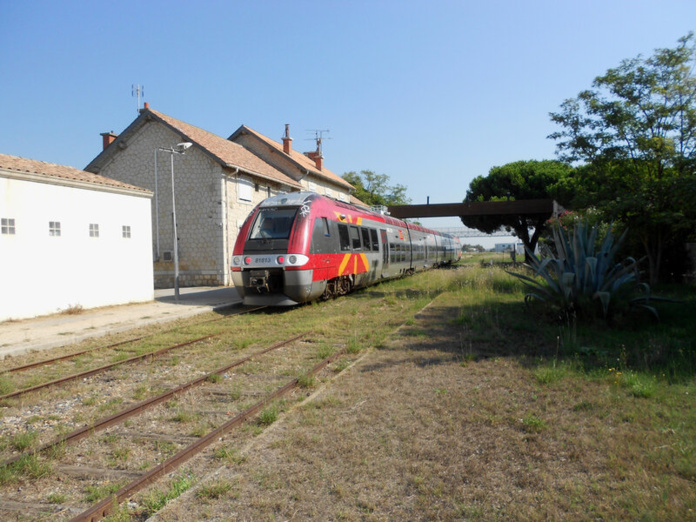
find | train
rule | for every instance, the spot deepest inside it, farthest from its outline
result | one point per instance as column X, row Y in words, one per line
column 300, row 247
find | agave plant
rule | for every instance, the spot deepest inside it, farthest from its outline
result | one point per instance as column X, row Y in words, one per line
column 583, row 271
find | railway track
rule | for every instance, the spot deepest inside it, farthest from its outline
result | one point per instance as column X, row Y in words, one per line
column 96, row 369
column 122, row 453
column 69, row 356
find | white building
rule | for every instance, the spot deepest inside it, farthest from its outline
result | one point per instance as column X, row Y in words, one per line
column 518, row 248
column 70, row 239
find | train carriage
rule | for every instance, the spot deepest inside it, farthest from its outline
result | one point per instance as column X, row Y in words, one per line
column 299, row 247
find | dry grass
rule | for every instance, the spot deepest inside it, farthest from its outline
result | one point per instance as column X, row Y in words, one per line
column 459, row 416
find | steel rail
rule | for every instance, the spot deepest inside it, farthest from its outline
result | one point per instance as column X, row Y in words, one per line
column 77, row 354
column 101, row 368
column 69, row 356
column 140, row 407
column 106, row 506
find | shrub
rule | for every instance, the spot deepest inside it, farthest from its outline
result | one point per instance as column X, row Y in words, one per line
column 583, row 272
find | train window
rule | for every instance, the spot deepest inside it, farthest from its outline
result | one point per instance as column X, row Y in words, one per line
column 355, row 237
column 343, row 237
column 366, row 238
column 375, row 242
column 327, row 232
column 273, row 223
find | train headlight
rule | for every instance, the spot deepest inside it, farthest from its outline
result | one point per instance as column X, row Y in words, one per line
column 297, row 260
column 247, row 260
column 236, row 260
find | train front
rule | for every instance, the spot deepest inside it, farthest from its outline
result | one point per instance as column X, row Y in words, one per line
column 270, row 262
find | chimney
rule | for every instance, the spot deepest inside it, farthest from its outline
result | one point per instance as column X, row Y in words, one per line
column 108, row 138
column 287, row 140
column 317, row 157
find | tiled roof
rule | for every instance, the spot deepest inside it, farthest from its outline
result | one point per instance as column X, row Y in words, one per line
column 300, row 158
column 227, row 152
column 52, row 170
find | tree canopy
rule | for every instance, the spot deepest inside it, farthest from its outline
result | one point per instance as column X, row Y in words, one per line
column 375, row 189
column 634, row 134
column 515, row 181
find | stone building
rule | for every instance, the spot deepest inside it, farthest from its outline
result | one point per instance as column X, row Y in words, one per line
column 70, row 239
column 217, row 182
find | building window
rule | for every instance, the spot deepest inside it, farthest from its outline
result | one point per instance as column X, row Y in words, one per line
column 54, row 228
column 126, row 231
column 8, row 226
column 93, row 230
column 245, row 189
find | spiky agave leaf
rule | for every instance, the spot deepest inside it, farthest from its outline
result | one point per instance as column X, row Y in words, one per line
column 581, row 269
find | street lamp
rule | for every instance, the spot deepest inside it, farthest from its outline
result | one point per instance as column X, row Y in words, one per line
column 179, row 148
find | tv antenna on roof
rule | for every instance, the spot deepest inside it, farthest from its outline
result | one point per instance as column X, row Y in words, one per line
column 137, row 91
column 318, row 137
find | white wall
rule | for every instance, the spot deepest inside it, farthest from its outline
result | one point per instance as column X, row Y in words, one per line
column 40, row 274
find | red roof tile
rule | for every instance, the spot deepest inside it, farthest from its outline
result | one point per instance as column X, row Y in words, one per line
column 227, row 152
column 53, row 170
column 301, row 159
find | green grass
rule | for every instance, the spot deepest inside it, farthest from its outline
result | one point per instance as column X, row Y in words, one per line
column 157, row 499
column 215, row 490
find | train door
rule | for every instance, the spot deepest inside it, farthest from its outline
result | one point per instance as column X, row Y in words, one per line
column 321, row 246
column 385, row 251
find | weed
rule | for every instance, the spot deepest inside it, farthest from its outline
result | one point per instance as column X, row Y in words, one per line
column 354, row 346
column 268, row 416
column 75, row 309
column 214, row 491
column 214, row 378
column 341, row 365
column 199, row 430
column 156, row 500
column 164, row 446
column 229, row 454
column 6, row 386
column 24, row 441
column 121, row 454
column 307, row 381
column 28, row 466
column 140, row 392
column 95, row 493
column 324, row 351
column 549, row 374
column 183, row 416
column 56, row 498
column 533, row 424
column 111, row 405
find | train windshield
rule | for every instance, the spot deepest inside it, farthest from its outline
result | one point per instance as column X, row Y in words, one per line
column 273, row 223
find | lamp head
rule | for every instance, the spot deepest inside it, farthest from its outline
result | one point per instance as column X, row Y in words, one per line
column 182, row 147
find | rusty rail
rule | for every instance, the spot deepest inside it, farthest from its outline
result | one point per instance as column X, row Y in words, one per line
column 77, row 354
column 106, row 506
column 101, row 368
column 131, row 411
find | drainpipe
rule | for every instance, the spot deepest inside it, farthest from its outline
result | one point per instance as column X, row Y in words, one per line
column 225, row 231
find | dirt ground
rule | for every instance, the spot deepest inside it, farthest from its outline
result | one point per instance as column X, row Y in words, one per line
column 425, row 429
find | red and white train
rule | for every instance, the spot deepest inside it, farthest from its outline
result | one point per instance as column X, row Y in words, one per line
column 299, row 247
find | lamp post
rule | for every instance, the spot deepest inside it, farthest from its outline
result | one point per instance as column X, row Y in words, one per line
column 179, row 148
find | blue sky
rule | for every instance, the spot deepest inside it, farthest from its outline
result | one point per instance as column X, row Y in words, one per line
column 430, row 93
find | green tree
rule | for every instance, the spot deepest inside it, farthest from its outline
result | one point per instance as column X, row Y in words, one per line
column 634, row 133
column 374, row 189
column 516, row 181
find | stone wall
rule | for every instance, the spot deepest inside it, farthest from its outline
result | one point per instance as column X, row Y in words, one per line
column 198, row 199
